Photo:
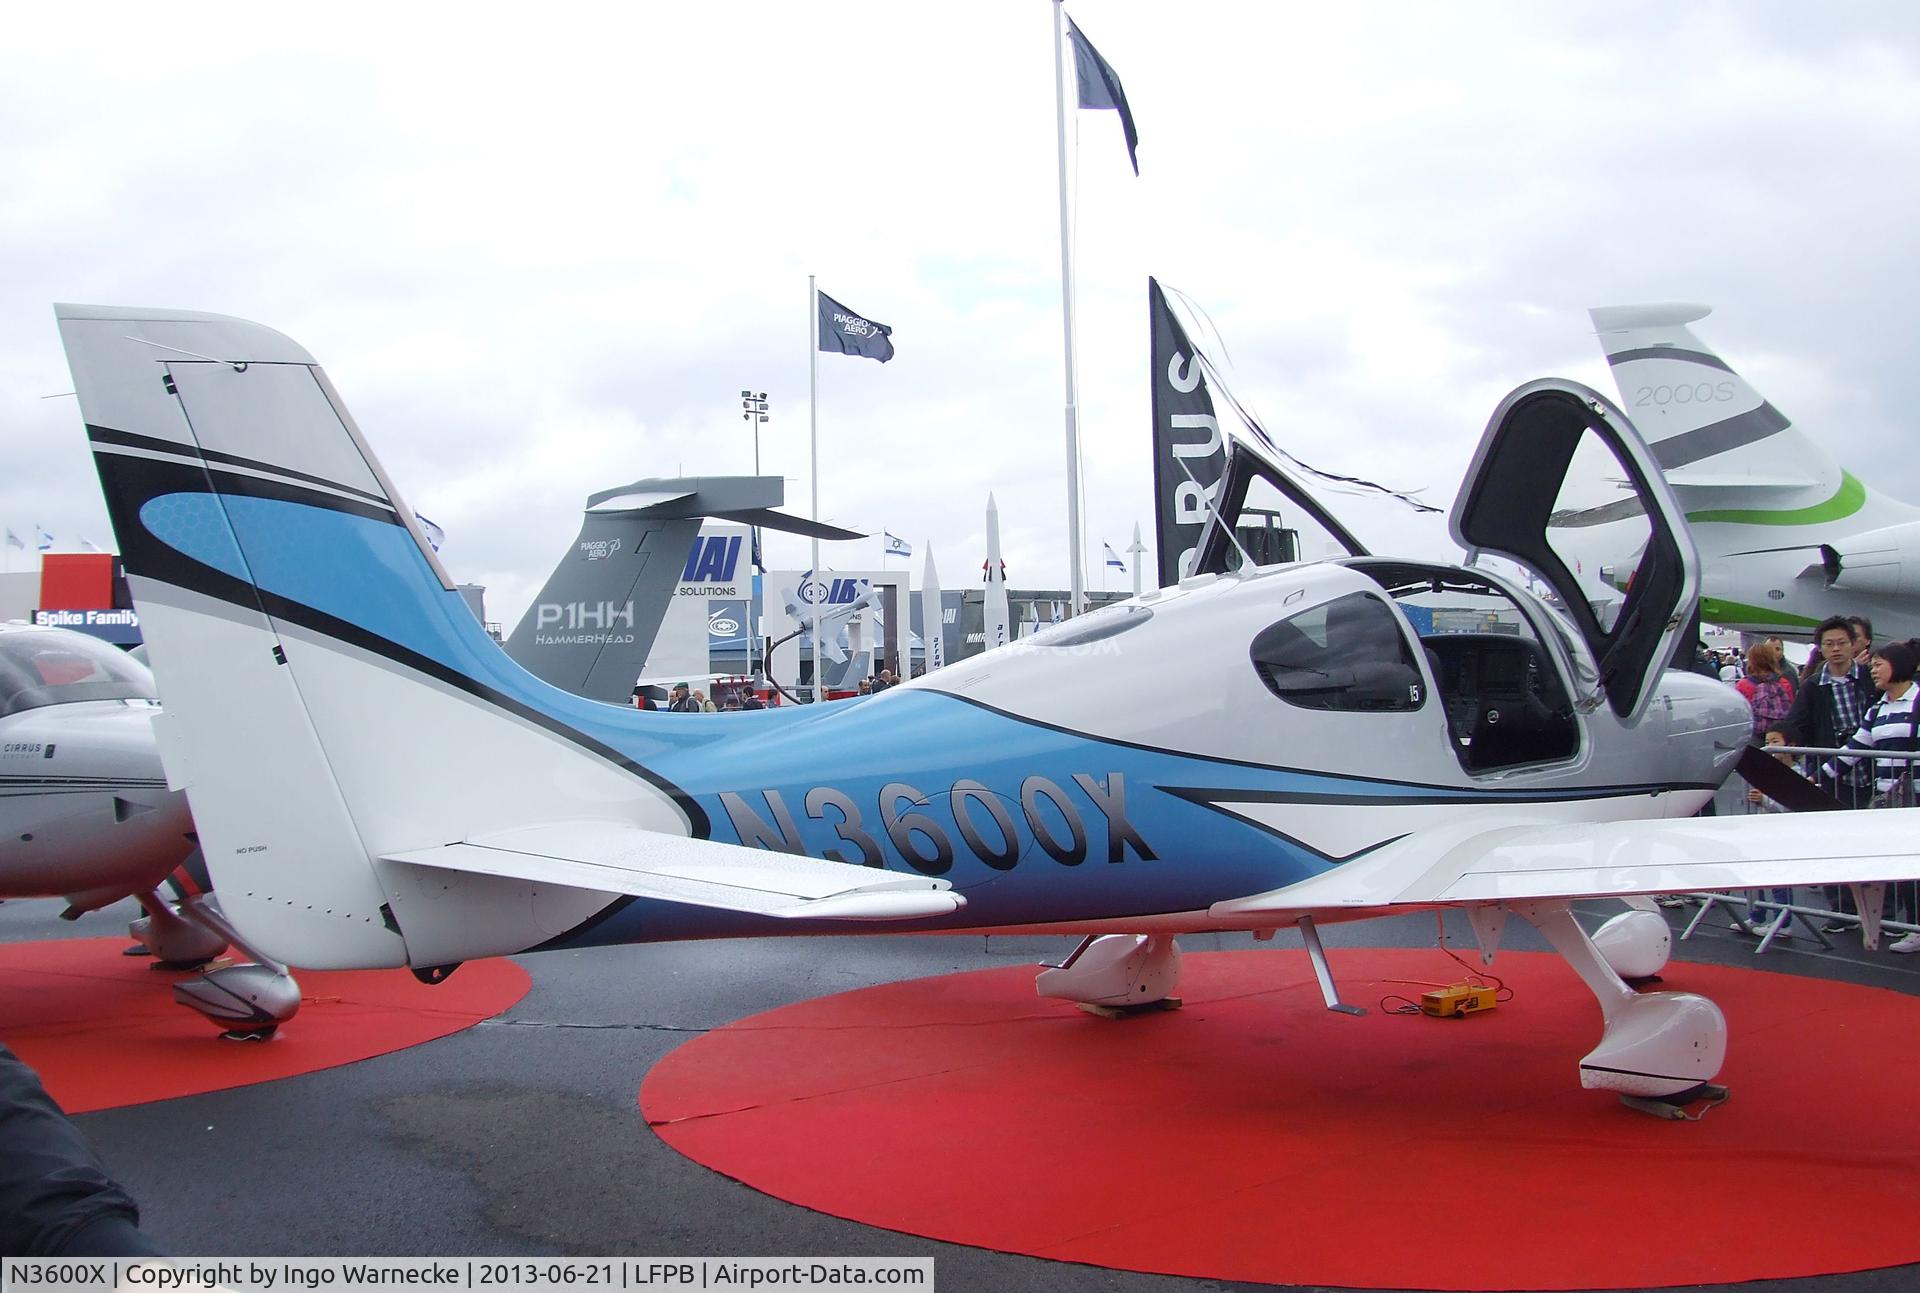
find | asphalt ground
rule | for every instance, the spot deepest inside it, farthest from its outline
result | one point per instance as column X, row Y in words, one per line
column 522, row 1136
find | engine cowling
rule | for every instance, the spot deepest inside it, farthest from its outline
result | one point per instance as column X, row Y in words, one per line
column 1885, row 561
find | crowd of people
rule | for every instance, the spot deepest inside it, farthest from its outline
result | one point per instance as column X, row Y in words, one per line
column 1853, row 698
column 684, row 698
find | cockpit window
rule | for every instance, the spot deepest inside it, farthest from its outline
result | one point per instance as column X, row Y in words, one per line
column 56, row 668
column 1346, row 654
column 1503, row 695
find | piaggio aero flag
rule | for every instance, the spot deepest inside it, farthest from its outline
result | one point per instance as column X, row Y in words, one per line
column 1189, row 456
column 845, row 333
column 1100, row 88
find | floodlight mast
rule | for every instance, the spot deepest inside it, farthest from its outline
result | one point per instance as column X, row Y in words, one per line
column 754, row 411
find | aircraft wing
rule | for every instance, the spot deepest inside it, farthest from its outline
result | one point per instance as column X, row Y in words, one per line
column 614, row 858
column 1539, row 860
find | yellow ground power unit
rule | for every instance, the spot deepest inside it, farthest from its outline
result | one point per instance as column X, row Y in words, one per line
column 1460, row 999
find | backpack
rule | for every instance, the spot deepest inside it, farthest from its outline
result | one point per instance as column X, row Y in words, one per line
column 1770, row 701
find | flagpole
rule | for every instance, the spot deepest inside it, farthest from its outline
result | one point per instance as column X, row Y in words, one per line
column 1077, row 573
column 813, row 422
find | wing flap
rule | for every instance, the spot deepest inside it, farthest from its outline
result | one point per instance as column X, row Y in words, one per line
column 616, row 858
column 1541, row 860
column 1678, row 856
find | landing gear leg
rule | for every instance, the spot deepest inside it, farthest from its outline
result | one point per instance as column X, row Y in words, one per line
column 249, row 1001
column 174, row 943
column 1654, row 1046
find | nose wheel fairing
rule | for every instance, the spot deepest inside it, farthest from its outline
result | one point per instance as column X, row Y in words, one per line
column 1116, row 972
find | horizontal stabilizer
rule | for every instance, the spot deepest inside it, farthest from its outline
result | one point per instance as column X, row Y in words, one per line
column 768, row 519
column 613, row 858
column 1671, row 314
column 651, row 501
column 1541, row 860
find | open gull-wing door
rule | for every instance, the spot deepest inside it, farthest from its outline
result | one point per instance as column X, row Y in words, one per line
column 1555, row 448
column 1261, row 511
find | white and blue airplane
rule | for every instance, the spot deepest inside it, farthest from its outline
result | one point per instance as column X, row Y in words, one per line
column 376, row 784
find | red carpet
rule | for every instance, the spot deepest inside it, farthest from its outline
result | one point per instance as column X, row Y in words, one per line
column 1254, row 1136
column 104, row 1031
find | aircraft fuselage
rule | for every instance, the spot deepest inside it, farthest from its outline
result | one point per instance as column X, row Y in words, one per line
column 83, row 803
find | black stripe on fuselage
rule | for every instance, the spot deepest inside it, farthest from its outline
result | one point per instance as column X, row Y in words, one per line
column 55, row 785
column 1439, row 796
column 215, row 458
column 1465, row 795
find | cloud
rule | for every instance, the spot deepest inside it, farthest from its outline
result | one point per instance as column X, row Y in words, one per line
column 541, row 257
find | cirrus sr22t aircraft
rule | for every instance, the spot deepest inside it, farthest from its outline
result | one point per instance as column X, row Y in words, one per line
column 376, row 784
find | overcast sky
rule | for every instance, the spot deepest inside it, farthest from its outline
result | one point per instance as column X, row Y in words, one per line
column 540, row 253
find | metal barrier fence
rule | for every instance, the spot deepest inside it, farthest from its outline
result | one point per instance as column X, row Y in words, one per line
column 1811, row 919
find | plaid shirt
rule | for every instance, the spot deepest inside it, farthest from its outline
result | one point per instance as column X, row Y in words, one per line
column 1848, row 696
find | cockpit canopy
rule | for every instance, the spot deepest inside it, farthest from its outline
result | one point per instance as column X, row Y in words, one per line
column 1561, row 485
column 51, row 667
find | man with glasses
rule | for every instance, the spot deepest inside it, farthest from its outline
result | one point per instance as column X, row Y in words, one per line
column 1826, row 712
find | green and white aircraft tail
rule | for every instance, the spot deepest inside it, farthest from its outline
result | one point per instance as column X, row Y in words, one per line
column 1787, row 536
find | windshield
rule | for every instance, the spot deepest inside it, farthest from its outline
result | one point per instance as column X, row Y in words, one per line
column 59, row 668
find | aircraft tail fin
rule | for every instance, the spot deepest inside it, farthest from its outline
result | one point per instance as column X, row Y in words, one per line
column 330, row 699
column 1707, row 426
column 595, row 620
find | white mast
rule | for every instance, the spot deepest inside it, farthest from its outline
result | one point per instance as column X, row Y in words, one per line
column 1075, row 558
column 813, row 422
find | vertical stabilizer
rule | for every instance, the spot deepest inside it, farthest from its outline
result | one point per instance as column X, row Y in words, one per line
column 1787, row 535
column 330, row 700
column 1707, row 427
column 591, row 627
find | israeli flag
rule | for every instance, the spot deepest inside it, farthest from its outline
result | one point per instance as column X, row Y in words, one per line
column 435, row 535
column 45, row 540
column 896, row 547
column 13, row 540
column 1113, row 558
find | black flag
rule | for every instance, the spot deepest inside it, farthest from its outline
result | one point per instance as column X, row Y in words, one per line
column 1189, row 455
column 842, row 332
column 1100, row 88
